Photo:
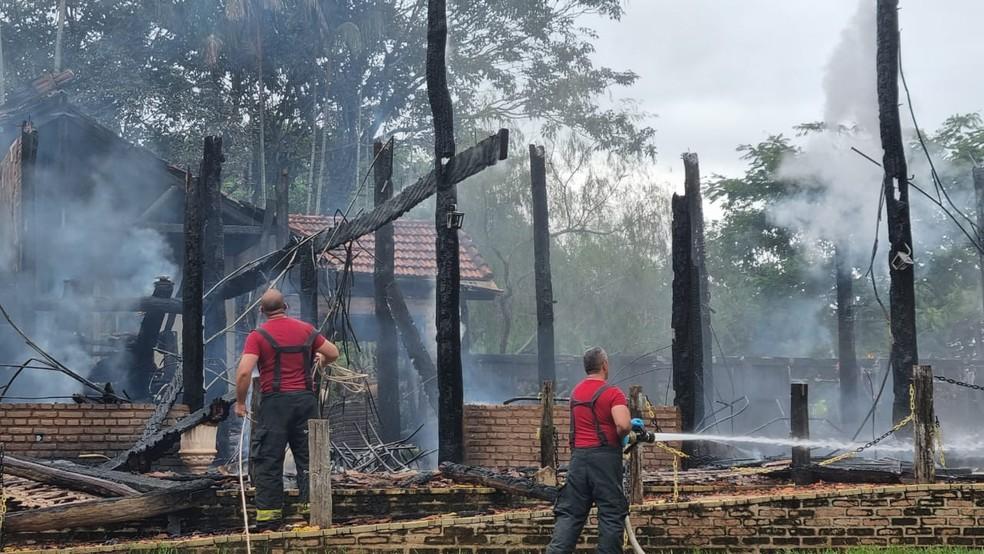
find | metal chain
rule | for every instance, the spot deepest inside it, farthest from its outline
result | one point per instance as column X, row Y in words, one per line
column 905, row 421
column 958, row 383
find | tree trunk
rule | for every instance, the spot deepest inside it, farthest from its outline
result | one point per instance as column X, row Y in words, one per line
column 387, row 348
column 902, row 294
column 541, row 266
column 849, row 371
column 449, row 378
column 192, row 287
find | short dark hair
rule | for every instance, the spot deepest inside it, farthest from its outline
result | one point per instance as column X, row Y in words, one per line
column 594, row 358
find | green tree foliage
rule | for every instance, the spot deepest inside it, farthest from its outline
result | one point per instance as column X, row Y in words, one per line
column 773, row 289
column 334, row 73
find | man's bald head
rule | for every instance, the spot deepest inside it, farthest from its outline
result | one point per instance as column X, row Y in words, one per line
column 272, row 303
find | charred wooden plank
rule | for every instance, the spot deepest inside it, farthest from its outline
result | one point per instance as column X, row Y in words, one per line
column 93, row 513
column 387, row 346
column 506, row 483
column 141, row 483
column 63, row 477
column 192, row 289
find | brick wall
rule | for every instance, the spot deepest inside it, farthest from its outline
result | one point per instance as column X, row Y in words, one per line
column 67, row 431
column 507, row 436
column 925, row 515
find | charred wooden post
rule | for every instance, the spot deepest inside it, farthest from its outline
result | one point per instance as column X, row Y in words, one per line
column 309, row 284
column 283, row 207
column 421, row 360
column 213, row 240
column 29, row 231
column 687, row 392
column 635, row 491
column 923, row 425
column 799, row 424
column 319, row 446
column 700, row 306
column 902, row 293
column 548, row 445
column 849, row 370
column 541, row 266
column 387, row 348
column 192, row 290
column 451, row 447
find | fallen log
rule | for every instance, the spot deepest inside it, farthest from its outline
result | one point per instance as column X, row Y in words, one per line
column 150, row 448
column 95, row 513
column 65, row 478
column 510, row 484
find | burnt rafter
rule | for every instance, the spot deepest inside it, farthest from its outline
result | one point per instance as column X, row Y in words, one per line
column 462, row 166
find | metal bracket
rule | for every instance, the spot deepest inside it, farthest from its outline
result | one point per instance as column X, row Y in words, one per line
column 902, row 260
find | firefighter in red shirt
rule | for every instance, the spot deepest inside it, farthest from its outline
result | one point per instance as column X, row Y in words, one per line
column 599, row 420
column 285, row 350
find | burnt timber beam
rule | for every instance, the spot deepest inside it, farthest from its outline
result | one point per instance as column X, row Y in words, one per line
column 97, row 304
column 450, row 410
column 700, row 320
column 410, row 336
column 177, row 228
column 687, row 392
column 65, row 478
column 141, row 483
column 546, row 364
column 460, row 473
column 213, row 267
column 902, row 294
column 483, row 155
column 192, row 289
column 92, row 513
column 387, row 347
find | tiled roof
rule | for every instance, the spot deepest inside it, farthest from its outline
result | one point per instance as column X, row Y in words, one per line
column 414, row 249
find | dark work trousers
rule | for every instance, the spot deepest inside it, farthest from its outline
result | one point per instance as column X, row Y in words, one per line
column 594, row 476
column 283, row 420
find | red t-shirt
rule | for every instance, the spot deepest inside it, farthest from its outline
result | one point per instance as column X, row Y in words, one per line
column 287, row 332
column 585, row 435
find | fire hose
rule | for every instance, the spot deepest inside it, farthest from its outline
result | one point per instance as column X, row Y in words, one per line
column 638, row 435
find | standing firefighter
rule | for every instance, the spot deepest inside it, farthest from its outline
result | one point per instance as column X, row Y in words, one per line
column 285, row 350
column 599, row 420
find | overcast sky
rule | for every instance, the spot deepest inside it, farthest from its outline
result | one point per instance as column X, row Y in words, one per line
column 718, row 73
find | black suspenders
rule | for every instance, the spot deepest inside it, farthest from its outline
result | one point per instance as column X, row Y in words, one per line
column 304, row 349
column 590, row 404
